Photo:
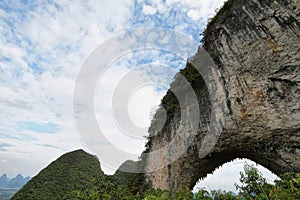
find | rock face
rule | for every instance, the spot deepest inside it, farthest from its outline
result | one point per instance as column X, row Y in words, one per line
column 255, row 45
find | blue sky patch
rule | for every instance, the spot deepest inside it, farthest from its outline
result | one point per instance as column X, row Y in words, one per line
column 47, row 128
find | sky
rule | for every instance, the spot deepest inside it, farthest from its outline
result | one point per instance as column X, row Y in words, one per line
column 43, row 48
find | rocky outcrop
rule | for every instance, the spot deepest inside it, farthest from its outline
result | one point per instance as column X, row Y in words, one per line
column 247, row 107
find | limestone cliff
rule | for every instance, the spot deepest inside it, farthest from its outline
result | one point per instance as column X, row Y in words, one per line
column 255, row 45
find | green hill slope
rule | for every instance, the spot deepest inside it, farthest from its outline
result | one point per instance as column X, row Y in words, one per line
column 62, row 178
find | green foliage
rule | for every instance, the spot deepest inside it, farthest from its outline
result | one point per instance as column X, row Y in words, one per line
column 68, row 173
column 286, row 188
column 153, row 194
column 77, row 175
column 184, row 193
column 133, row 183
column 202, row 194
column 121, row 185
column 253, row 183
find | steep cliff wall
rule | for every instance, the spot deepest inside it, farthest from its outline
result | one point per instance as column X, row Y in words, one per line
column 256, row 47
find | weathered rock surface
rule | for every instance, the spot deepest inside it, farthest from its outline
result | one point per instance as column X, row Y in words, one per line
column 256, row 47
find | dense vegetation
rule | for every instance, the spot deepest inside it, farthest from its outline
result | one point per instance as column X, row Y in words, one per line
column 63, row 176
column 253, row 186
column 77, row 175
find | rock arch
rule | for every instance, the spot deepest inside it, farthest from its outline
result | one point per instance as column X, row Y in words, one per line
column 256, row 47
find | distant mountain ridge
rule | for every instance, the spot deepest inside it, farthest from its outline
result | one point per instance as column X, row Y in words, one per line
column 16, row 183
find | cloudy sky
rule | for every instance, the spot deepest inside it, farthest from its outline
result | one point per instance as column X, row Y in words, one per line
column 43, row 46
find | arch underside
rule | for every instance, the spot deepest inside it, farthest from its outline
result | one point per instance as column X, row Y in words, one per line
column 187, row 170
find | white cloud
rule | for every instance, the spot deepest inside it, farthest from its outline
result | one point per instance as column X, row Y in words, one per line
column 149, row 10
column 198, row 9
column 194, row 14
column 131, row 143
column 187, row 16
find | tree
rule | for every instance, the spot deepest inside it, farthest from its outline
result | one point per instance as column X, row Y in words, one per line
column 156, row 194
column 203, row 194
column 253, row 183
column 286, row 188
column 184, row 193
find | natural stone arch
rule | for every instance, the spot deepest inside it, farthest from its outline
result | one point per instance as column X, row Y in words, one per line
column 255, row 45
